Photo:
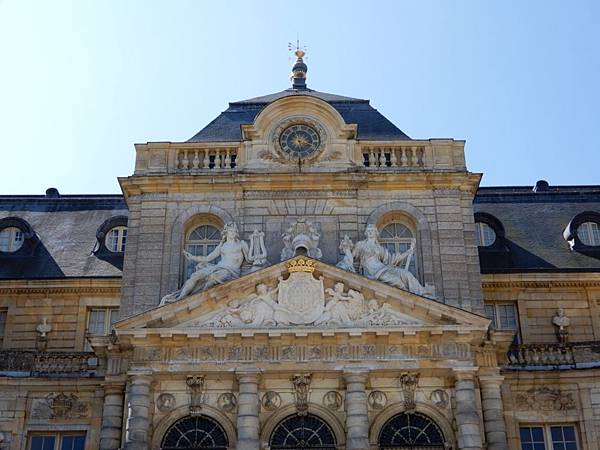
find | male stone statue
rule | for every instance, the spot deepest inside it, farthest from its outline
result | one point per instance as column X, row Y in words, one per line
column 378, row 263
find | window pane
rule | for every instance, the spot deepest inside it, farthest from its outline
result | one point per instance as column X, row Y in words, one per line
column 11, row 239
column 202, row 241
column 114, row 316
column 73, row 442
column 569, row 433
column 45, row 442
column 490, row 312
column 507, row 317
column 123, row 239
column 96, row 322
column 484, row 234
column 589, row 233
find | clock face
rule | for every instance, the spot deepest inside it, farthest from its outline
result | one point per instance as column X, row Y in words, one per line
column 299, row 140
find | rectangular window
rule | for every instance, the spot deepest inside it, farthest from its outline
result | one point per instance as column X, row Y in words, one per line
column 57, row 441
column 507, row 317
column 100, row 322
column 548, row 437
column 490, row 312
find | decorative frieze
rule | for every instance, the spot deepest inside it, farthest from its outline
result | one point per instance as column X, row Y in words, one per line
column 59, row 406
column 46, row 363
column 545, row 399
column 294, row 353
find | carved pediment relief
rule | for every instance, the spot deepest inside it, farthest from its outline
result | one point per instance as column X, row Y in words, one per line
column 302, row 293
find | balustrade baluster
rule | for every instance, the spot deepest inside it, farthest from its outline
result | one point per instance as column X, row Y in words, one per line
column 402, row 157
column 196, row 160
column 393, row 159
column 420, row 153
column 206, row 161
column 227, row 159
column 372, row 160
column 185, row 161
column 382, row 159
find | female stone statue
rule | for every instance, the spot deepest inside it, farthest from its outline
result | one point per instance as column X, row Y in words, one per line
column 377, row 263
column 232, row 251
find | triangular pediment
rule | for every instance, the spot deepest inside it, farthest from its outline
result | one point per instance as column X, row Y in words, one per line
column 302, row 295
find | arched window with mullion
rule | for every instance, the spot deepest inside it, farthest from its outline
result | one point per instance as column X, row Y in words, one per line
column 201, row 241
column 398, row 238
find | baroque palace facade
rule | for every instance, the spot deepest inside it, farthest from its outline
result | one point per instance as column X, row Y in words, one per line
column 301, row 274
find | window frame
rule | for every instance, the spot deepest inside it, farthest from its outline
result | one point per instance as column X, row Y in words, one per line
column 480, row 226
column 547, row 433
column 571, row 233
column 108, row 324
column 397, row 242
column 496, row 317
column 188, row 266
column 57, row 435
column 121, row 239
column 590, row 233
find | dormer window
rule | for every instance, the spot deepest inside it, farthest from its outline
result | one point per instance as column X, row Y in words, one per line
column 485, row 235
column 11, row 239
column 17, row 238
column 583, row 232
column 116, row 238
column 112, row 239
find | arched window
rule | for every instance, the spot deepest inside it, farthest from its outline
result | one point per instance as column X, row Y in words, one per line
column 195, row 433
column 11, row 239
column 398, row 238
column 302, row 432
column 116, row 238
column 411, row 430
column 200, row 242
column 484, row 234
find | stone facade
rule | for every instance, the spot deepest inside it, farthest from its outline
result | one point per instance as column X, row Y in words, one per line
column 254, row 362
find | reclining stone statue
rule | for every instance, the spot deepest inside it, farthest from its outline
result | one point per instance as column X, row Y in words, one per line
column 377, row 263
column 232, row 250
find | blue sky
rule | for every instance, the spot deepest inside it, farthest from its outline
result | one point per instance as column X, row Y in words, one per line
column 82, row 81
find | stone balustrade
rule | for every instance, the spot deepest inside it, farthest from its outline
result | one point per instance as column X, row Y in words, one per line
column 569, row 355
column 394, row 157
column 30, row 363
column 201, row 160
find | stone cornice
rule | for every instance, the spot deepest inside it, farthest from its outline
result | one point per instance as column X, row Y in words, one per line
column 462, row 181
column 106, row 286
column 540, row 280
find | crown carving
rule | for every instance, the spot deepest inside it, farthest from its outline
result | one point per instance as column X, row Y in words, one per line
column 301, row 265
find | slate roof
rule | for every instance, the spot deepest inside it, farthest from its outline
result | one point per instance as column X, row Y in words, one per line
column 534, row 223
column 66, row 228
column 372, row 125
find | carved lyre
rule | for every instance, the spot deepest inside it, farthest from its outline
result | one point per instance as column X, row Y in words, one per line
column 258, row 251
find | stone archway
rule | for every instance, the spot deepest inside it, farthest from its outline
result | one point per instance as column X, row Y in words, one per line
column 300, row 432
column 195, row 433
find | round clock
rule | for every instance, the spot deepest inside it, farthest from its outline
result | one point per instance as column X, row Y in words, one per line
column 299, row 140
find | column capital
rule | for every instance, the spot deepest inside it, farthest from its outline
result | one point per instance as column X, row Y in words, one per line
column 491, row 380
column 114, row 388
column 466, row 374
column 248, row 375
column 358, row 375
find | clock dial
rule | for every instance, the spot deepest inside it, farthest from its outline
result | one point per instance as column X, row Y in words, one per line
column 299, row 140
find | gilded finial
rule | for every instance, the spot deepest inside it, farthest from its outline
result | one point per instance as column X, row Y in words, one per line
column 299, row 70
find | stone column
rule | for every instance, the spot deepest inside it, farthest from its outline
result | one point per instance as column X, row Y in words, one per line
column 467, row 416
column 357, row 419
column 138, row 421
column 493, row 412
column 248, row 427
column 112, row 417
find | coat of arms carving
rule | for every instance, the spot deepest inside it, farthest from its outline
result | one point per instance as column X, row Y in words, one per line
column 301, row 294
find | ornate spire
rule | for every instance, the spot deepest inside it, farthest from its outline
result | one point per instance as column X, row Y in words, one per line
column 299, row 70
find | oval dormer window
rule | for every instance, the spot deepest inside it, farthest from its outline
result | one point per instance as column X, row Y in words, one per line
column 589, row 234
column 11, row 239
